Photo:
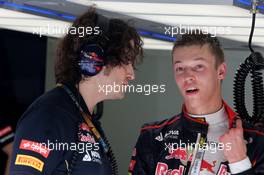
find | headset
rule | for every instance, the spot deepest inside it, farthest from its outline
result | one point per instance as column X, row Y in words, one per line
column 92, row 55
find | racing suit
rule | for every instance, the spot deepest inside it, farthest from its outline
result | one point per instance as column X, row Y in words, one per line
column 155, row 151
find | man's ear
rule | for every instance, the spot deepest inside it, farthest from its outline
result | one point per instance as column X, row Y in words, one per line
column 222, row 70
column 106, row 70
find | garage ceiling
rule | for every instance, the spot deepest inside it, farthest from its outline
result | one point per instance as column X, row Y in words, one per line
column 153, row 19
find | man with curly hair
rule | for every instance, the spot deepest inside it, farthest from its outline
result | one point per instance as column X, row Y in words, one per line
column 59, row 133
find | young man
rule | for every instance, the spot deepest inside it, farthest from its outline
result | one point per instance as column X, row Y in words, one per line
column 203, row 138
column 58, row 134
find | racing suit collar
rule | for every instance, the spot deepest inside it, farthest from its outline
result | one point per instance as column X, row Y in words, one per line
column 230, row 113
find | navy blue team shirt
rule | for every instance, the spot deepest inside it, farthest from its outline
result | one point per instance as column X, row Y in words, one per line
column 49, row 133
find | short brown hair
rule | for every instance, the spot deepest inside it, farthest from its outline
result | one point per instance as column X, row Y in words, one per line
column 197, row 37
column 118, row 49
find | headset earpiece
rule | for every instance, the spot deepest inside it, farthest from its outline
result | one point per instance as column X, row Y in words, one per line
column 92, row 56
column 91, row 60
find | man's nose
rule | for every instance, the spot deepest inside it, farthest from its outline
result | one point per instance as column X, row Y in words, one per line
column 188, row 75
column 130, row 72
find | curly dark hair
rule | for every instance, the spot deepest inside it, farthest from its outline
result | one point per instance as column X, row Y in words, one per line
column 117, row 46
column 198, row 37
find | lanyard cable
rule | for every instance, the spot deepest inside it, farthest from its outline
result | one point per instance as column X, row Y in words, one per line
column 102, row 139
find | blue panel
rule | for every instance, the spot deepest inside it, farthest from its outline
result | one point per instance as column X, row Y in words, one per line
column 36, row 10
column 248, row 3
column 155, row 35
column 72, row 18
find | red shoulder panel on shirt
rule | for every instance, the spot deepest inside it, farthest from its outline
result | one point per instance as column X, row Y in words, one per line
column 161, row 125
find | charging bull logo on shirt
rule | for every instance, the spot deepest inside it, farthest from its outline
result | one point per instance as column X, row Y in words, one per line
column 86, row 135
column 87, row 138
column 84, row 127
column 178, row 153
column 182, row 154
column 206, row 166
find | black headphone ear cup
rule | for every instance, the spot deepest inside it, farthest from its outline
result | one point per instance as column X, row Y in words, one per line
column 91, row 60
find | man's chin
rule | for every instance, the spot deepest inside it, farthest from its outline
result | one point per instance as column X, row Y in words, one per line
column 192, row 101
column 119, row 96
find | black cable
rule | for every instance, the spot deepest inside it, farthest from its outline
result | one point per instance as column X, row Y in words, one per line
column 75, row 154
column 239, row 89
column 110, row 154
column 252, row 31
column 74, row 157
column 253, row 64
column 111, row 157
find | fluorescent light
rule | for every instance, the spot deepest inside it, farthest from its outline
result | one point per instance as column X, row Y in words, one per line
column 165, row 8
column 203, row 21
column 156, row 44
column 19, row 21
column 234, row 20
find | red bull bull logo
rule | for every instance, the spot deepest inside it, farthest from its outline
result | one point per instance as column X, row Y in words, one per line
column 207, row 166
column 179, row 153
column 162, row 169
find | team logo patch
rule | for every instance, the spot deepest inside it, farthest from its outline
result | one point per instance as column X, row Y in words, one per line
column 84, row 127
column 92, row 156
column 35, row 147
column 207, row 166
column 172, row 134
column 87, row 138
column 182, row 154
column 162, row 169
column 159, row 137
column 29, row 161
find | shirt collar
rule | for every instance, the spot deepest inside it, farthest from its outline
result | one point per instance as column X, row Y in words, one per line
column 213, row 118
column 230, row 113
